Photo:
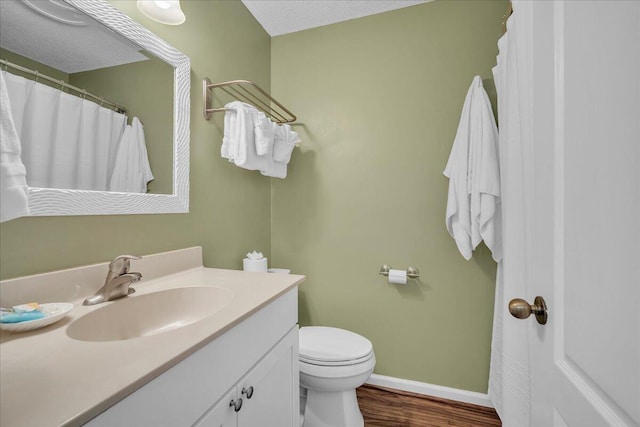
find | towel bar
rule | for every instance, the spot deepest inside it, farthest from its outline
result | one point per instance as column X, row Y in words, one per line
column 246, row 91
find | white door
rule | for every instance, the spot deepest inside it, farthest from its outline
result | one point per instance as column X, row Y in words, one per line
column 586, row 249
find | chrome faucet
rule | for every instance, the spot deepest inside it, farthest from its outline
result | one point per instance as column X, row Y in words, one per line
column 118, row 281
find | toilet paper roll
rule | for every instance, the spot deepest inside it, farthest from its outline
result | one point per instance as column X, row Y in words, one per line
column 398, row 277
column 259, row 265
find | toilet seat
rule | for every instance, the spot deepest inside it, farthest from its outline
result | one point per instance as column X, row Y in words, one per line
column 326, row 346
column 350, row 362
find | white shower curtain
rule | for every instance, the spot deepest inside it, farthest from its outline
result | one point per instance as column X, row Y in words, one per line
column 67, row 142
column 510, row 381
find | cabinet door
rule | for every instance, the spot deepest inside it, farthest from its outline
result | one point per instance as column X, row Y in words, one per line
column 270, row 390
column 222, row 414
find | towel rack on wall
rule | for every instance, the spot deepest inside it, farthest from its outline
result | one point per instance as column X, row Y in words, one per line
column 246, row 91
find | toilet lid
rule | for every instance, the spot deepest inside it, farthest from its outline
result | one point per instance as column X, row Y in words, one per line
column 325, row 344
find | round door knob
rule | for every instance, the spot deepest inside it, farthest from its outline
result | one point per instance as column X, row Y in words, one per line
column 521, row 309
column 247, row 391
column 236, row 404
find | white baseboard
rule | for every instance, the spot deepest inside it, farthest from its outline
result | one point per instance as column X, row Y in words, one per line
column 427, row 389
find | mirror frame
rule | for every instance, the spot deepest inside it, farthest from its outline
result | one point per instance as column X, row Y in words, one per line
column 60, row 202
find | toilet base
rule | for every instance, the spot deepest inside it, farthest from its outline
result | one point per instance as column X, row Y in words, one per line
column 332, row 409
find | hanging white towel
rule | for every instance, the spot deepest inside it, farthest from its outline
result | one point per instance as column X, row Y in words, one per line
column 486, row 213
column 473, row 207
column 13, row 183
column 264, row 133
column 284, row 142
column 131, row 172
column 252, row 141
column 458, row 216
column 239, row 141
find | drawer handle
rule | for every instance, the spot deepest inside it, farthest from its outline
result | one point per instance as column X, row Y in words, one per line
column 236, row 404
column 248, row 391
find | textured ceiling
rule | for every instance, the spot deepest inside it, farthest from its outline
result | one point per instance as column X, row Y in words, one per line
column 287, row 16
column 55, row 34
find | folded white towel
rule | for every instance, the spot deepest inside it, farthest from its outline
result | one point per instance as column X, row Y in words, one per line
column 13, row 182
column 252, row 141
column 284, row 142
column 473, row 206
column 240, row 137
column 264, row 133
column 227, row 150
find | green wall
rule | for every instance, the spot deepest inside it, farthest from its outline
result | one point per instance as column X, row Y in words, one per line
column 230, row 207
column 378, row 101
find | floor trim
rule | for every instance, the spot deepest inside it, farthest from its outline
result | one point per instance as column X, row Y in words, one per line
column 434, row 390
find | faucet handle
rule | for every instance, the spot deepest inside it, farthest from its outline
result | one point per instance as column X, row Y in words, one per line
column 121, row 264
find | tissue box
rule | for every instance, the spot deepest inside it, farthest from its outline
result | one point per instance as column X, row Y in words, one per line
column 259, row 265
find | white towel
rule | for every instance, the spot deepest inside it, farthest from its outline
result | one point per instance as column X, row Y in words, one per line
column 13, row 182
column 131, row 171
column 264, row 133
column 458, row 217
column 473, row 206
column 284, row 141
column 486, row 211
column 238, row 143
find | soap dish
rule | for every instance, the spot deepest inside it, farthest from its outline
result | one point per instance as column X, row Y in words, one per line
column 54, row 312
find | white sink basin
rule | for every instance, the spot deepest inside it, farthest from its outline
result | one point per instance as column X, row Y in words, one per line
column 151, row 314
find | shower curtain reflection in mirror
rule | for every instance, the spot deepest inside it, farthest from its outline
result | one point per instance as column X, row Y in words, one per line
column 67, row 142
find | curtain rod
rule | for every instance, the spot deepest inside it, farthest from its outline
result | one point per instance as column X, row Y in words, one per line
column 84, row 92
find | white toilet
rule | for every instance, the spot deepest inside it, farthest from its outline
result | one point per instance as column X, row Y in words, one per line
column 333, row 363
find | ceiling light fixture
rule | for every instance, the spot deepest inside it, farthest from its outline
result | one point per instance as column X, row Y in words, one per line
column 164, row 11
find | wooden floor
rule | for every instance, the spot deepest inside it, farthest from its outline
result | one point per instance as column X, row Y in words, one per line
column 395, row 408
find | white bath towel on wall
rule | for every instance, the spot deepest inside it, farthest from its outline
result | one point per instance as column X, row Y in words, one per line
column 252, row 141
column 239, row 142
column 264, row 134
column 284, row 142
column 473, row 207
column 484, row 173
column 458, row 214
column 13, row 183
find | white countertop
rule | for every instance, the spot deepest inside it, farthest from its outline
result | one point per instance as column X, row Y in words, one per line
column 48, row 378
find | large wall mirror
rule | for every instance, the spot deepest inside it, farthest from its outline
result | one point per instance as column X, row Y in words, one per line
column 117, row 83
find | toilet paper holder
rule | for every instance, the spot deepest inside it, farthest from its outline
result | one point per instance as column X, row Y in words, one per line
column 412, row 272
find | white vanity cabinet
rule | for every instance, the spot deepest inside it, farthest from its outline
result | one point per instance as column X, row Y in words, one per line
column 264, row 397
column 260, row 352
